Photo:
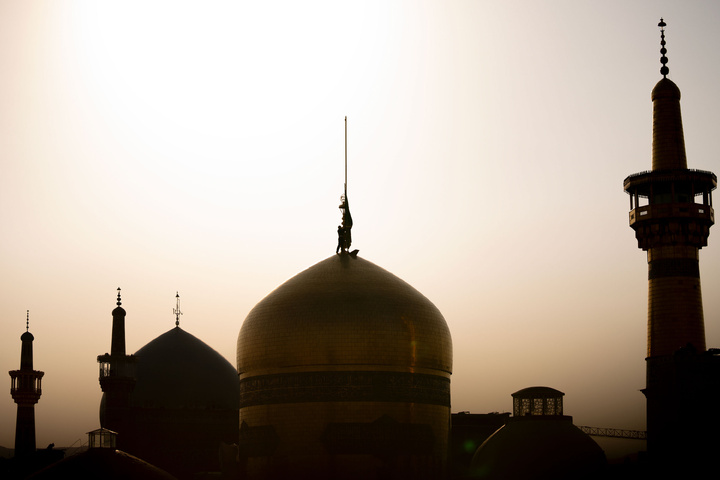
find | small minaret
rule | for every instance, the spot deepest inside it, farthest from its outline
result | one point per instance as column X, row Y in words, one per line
column 671, row 213
column 26, row 390
column 117, row 375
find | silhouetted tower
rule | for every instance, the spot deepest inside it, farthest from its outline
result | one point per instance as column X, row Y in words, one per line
column 26, row 390
column 117, row 378
column 671, row 213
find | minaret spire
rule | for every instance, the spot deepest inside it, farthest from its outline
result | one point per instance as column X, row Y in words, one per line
column 117, row 341
column 176, row 310
column 668, row 141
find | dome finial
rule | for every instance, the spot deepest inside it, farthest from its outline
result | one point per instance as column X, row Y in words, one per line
column 344, row 230
column 118, row 299
column 27, row 322
column 664, row 70
column 176, row 310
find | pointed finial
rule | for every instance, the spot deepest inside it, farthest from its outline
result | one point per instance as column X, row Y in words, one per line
column 176, row 310
column 118, row 300
column 664, row 70
column 27, row 322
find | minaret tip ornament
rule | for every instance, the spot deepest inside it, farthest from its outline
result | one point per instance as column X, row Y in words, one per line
column 27, row 321
column 118, row 299
column 664, row 70
column 176, row 310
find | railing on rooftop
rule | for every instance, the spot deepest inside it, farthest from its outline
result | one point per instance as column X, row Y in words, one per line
column 614, row 433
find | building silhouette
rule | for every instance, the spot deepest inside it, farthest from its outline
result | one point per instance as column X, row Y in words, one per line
column 671, row 213
column 26, row 389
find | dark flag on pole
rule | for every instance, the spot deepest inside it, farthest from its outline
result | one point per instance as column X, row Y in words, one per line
column 347, row 222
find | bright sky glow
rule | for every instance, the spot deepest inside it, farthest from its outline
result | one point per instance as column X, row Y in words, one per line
column 198, row 147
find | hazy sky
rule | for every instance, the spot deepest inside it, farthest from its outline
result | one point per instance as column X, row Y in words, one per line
column 198, row 147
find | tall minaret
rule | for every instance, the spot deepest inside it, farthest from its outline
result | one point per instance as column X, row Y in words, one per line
column 671, row 213
column 117, row 378
column 26, row 390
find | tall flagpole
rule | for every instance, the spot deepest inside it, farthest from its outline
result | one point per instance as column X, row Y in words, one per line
column 345, row 154
column 344, row 234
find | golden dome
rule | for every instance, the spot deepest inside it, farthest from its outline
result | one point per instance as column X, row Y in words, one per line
column 344, row 373
column 344, row 311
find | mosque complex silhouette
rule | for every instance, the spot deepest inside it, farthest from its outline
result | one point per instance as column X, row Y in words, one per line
column 343, row 372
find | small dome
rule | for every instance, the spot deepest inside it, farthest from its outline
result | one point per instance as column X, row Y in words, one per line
column 105, row 463
column 177, row 370
column 539, row 447
column 538, row 392
column 344, row 310
column 665, row 88
column 27, row 337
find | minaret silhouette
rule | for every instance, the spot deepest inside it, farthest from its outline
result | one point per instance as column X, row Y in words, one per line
column 671, row 213
column 116, row 376
column 26, row 390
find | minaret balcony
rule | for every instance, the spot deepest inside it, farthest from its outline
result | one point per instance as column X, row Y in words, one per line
column 116, row 366
column 26, row 386
column 688, row 179
column 673, row 211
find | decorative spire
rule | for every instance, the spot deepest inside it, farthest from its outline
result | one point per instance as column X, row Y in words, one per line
column 664, row 70
column 118, row 300
column 27, row 322
column 176, row 310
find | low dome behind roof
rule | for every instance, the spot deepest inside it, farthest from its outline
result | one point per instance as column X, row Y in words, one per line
column 105, row 463
column 538, row 447
column 177, row 370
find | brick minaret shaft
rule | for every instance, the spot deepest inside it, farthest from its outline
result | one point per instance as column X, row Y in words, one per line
column 116, row 377
column 671, row 213
column 25, row 390
column 674, row 233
